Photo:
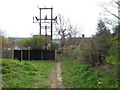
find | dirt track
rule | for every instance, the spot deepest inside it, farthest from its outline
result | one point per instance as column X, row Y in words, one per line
column 56, row 77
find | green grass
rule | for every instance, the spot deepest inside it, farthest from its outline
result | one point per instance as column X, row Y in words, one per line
column 77, row 75
column 26, row 74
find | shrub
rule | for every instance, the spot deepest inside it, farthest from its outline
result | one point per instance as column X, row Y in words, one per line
column 80, row 53
column 113, row 51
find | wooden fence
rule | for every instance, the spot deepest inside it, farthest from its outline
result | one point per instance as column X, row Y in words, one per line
column 34, row 54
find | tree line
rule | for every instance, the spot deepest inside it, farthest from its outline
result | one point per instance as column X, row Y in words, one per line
column 102, row 49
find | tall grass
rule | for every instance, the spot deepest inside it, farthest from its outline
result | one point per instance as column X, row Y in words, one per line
column 77, row 75
column 26, row 74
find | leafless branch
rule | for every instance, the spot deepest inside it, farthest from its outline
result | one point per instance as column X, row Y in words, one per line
column 2, row 33
column 64, row 28
column 112, row 13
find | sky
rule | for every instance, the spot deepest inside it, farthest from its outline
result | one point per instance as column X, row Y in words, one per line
column 16, row 16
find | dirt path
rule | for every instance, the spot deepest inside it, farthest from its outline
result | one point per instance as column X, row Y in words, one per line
column 56, row 77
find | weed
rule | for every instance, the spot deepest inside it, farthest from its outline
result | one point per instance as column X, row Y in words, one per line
column 77, row 75
column 24, row 74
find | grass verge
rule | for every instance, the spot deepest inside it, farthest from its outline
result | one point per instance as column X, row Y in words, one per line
column 77, row 75
column 26, row 74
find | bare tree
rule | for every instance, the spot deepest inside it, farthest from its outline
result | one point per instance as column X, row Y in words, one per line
column 1, row 33
column 115, row 4
column 64, row 28
column 72, row 31
column 111, row 6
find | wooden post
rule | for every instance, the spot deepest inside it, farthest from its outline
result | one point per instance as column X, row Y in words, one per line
column 21, row 54
column 51, row 25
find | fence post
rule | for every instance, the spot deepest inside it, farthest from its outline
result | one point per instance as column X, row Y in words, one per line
column 21, row 54
column 13, row 54
column 42, row 53
column 28, row 53
column 55, row 55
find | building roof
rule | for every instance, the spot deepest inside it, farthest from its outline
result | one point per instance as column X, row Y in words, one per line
column 77, row 41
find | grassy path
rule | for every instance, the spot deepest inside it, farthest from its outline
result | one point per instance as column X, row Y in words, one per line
column 56, row 77
column 51, row 74
column 59, row 77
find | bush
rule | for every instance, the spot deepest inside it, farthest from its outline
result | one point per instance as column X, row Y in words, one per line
column 55, row 46
column 81, row 53
column 113, row 51
column 36, row 42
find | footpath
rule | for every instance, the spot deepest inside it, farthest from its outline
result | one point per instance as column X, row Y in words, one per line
column 56, row 76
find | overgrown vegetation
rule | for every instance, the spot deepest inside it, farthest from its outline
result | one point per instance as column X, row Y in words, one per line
column 94, row 62
column 77, row 75
column 102, row 50
column 35, row 42
column 55, row 46
column 113, row 52
column 26, row 74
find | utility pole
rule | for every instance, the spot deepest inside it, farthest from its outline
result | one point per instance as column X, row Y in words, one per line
column 46, row 20
column 40, row 21
column 46, row 41
column 51, row 24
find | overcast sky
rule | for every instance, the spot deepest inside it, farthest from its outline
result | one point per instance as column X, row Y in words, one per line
column 16, row 15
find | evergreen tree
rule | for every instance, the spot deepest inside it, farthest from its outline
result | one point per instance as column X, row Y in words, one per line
column 101, row 40
column 102, row 37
